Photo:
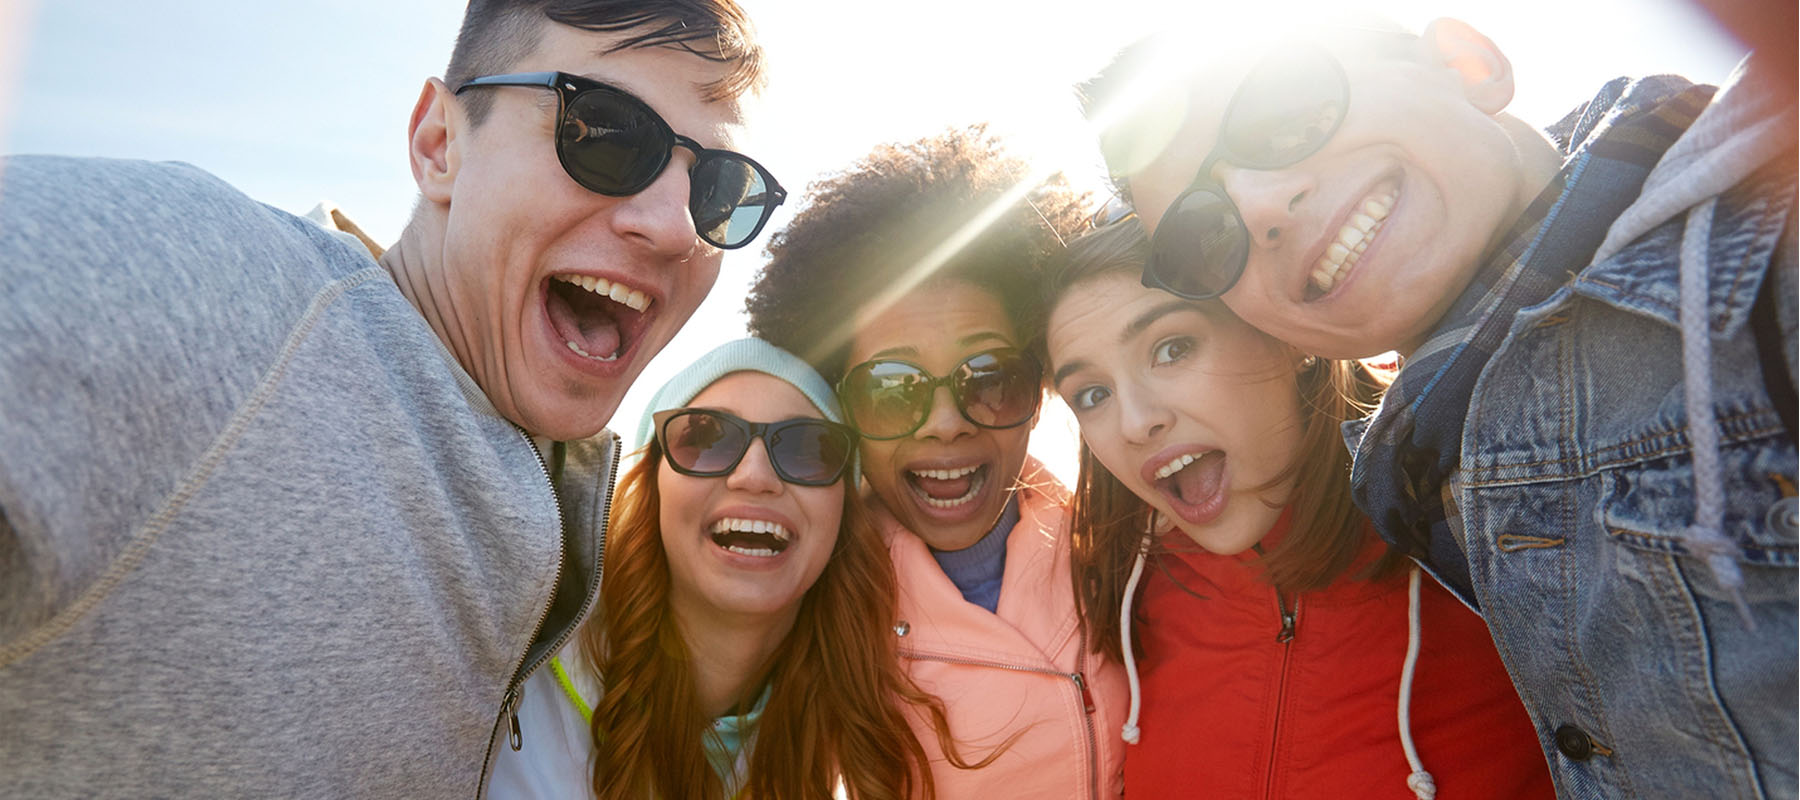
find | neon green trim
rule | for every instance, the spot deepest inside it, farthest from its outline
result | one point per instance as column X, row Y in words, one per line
column 568, row 687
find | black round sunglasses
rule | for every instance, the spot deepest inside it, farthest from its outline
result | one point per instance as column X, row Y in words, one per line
column 613, row 143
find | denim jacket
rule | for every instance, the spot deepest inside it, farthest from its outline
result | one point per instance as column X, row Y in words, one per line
column 1644, row 674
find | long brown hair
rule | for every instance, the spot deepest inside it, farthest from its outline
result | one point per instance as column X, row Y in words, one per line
column 1325, row 529
column 837, row 690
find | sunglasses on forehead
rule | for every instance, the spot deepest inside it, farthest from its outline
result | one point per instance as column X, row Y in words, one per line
column 706, row 443
column 614, row 144
column 889, row 398
column 1287, row 107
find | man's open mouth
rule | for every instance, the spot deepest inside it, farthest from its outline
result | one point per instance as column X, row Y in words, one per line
column 947, row 488
column 596, row 318
column 751, row 537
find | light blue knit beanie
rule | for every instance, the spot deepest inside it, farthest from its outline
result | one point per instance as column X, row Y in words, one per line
column 745, row 355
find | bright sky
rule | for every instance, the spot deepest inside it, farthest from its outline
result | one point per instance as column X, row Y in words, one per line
column 296, row 103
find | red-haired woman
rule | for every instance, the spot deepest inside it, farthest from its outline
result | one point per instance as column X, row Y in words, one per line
column 1282, row 651
column 742, row 646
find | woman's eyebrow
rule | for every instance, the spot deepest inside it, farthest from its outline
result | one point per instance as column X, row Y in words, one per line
column 1154, row 313
column 1066, row 370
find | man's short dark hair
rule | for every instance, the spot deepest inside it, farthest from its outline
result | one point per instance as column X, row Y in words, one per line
column 868, row 230
column 496, row 34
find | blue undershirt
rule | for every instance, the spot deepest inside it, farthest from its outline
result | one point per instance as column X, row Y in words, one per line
column 977, row 569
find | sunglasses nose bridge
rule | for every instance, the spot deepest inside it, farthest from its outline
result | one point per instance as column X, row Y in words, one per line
column 755, row 472
column 944, row 419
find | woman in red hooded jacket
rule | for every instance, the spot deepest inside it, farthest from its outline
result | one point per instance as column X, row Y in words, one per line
column 1278, row 649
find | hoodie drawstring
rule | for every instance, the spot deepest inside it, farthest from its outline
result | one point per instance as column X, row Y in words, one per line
column 1705, row 537
column 1130, row 732
column 1423, row 786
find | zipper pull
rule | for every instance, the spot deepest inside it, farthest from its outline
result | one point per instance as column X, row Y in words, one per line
column 1286, row 634
column 514, row 736
column 1087, row 698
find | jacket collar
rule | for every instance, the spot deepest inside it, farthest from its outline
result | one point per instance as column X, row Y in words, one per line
column 1035, row 618
column 1747, row 228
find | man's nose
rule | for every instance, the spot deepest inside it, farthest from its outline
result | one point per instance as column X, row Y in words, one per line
column 1268, row 201
column 658, row 218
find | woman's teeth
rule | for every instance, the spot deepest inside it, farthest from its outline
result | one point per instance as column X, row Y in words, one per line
column 731, row 533
column 975, row 484
column 1175, row 464
column 944, row 474
column 1352, row 240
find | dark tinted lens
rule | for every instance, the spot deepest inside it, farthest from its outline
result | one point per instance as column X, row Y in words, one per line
column 702, row 442
column 729, row 197
column 612, row 144
column 885, row 399
column 1286, row 109
column 998, row 390
column 1200, row 246
column 808, row 451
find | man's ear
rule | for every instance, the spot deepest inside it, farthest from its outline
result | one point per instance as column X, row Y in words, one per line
column 431, row 140
column 1487, row 77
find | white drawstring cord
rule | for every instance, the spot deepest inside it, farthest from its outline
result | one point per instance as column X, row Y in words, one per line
column 1424, row 787
column 1130, row 732
column 1706, row 536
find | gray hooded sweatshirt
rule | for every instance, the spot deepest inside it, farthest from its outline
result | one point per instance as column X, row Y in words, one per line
column 259, row 534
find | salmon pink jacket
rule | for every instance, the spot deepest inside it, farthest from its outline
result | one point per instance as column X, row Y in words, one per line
column 1025, row 671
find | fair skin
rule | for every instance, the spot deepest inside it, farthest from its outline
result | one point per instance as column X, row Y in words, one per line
column 1189, row 407
column 1424, row 137
column 499, row 224
column 936, row 327
column 734, row 592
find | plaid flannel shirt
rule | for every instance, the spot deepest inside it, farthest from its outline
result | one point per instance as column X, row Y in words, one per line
column 1406, row 451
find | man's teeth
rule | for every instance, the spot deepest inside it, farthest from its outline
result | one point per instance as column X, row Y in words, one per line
column 585, row 354
column 1352, row 240
column 733, row 524
column 1175, row 464
column 945, row 474
column 618, row 293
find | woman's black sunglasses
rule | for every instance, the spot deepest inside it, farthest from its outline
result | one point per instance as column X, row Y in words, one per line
column 889, row 398
column 707, row 444
column 612, row 143
column 1286, row 108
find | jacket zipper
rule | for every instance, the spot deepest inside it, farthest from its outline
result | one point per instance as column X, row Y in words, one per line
column 1285, row 636
column 515, row 689
column 1077, row 678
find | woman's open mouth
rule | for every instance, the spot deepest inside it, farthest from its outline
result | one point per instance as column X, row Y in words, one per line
column 1194, row 484
column 757, row 538
column 948, row 490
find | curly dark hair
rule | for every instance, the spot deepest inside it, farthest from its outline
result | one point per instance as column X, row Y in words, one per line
column 954, row 206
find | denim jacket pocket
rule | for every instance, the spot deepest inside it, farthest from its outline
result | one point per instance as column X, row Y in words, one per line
column 1648, row 505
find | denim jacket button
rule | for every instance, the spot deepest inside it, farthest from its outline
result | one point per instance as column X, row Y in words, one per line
column 1574, row 743
column 1783, row 516
column 902, row 628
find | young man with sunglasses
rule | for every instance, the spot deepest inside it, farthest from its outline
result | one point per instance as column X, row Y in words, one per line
column 928, row 353
column 1592, row 436
column 280, row 519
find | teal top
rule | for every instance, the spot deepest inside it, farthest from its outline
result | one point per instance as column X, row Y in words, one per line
column 727, row 744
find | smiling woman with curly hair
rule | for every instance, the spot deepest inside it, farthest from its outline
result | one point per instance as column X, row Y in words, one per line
column 908, row 280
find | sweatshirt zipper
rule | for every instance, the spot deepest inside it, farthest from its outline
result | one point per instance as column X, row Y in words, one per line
column 515, row 689
column 1077, row 678
column 1285, row 637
